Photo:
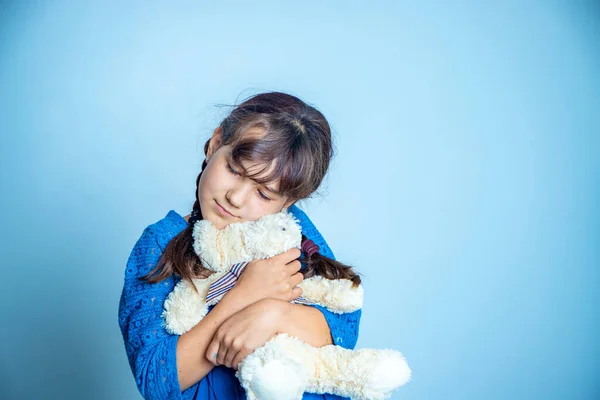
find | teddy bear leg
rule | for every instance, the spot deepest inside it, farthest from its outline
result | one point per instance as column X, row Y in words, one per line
column 268, row 374
column 388, row 371
column 278, row 380
column 364, row 374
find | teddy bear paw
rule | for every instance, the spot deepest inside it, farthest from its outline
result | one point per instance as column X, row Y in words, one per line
column 278, row 380
column 389, row 372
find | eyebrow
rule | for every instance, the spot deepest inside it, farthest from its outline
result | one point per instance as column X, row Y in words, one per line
column 230, row 161
column 272, row 190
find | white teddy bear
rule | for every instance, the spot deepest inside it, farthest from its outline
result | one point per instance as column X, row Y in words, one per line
column 285, row 367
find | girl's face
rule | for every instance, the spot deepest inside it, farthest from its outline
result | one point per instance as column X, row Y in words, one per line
column 227, row 196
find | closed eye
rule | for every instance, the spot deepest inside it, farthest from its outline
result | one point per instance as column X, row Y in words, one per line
column 233, row 171
column 263, row 196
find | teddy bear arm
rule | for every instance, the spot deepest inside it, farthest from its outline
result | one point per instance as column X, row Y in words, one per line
column 337, row 295
column 185, row 306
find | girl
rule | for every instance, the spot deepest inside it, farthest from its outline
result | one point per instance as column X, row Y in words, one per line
column 271, row 151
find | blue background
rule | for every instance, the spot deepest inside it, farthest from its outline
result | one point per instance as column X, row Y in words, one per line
column 466, row 187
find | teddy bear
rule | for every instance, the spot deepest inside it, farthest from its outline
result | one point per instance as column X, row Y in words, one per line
column 285, row 367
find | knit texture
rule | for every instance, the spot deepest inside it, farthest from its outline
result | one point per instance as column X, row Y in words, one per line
column 150, row 349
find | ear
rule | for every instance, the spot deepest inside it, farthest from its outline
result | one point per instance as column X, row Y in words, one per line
column 214, row 142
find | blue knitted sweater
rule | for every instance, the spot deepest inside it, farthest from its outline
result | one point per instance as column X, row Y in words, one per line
column 151, row 350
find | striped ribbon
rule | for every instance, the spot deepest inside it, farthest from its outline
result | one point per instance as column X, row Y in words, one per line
column 227, row 281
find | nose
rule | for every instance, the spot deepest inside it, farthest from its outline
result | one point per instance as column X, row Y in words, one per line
column 237, row 195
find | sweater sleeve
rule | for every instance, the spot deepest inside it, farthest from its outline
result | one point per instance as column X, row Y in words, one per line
column 150, row 349
column 344, row 327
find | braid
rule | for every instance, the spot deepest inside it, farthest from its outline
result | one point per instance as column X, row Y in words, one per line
column 179, row 257
column 318, row 264
column 196, row 214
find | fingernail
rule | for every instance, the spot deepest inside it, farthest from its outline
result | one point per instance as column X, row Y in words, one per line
column 215, row 356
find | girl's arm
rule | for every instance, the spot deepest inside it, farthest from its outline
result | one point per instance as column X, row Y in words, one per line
column 276, row 277
column 318, row 326
column 164, row 365
column 192, row 366
column 256, row 324
column 314, row 325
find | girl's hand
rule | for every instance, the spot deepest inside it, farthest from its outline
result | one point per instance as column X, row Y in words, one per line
column 246, row 330
column 274, row 278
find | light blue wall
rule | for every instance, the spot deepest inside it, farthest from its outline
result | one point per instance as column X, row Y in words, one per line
column 466, row 188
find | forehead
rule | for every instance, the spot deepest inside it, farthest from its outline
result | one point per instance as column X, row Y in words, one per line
column 259, row 171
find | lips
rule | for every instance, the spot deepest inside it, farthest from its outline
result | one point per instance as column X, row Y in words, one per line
column 223, row 210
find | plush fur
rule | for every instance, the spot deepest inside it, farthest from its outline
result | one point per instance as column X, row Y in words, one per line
column 245, row 241
column 285, row 367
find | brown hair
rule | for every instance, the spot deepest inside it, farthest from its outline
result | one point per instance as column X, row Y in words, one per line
column 297, row 142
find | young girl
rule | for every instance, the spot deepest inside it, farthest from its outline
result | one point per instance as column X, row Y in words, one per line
column 271, row 151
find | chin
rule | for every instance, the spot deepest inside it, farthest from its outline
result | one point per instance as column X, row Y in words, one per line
column 219, row 225
column 216, row 220
column 212, row 216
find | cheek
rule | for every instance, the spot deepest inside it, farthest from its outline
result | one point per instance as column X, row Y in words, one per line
column 202, row 186
column 260, row 209
column 209, row 182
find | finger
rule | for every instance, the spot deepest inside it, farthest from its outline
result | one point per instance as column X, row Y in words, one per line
column 231, row 353
column 212, row 351
column 221, row 354
column 239, row 357
column 296, row 279
column 288, row 256
column 293, row 267
column 295, row 293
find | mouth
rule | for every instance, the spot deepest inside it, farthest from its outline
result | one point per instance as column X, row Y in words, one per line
column 222, row 210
